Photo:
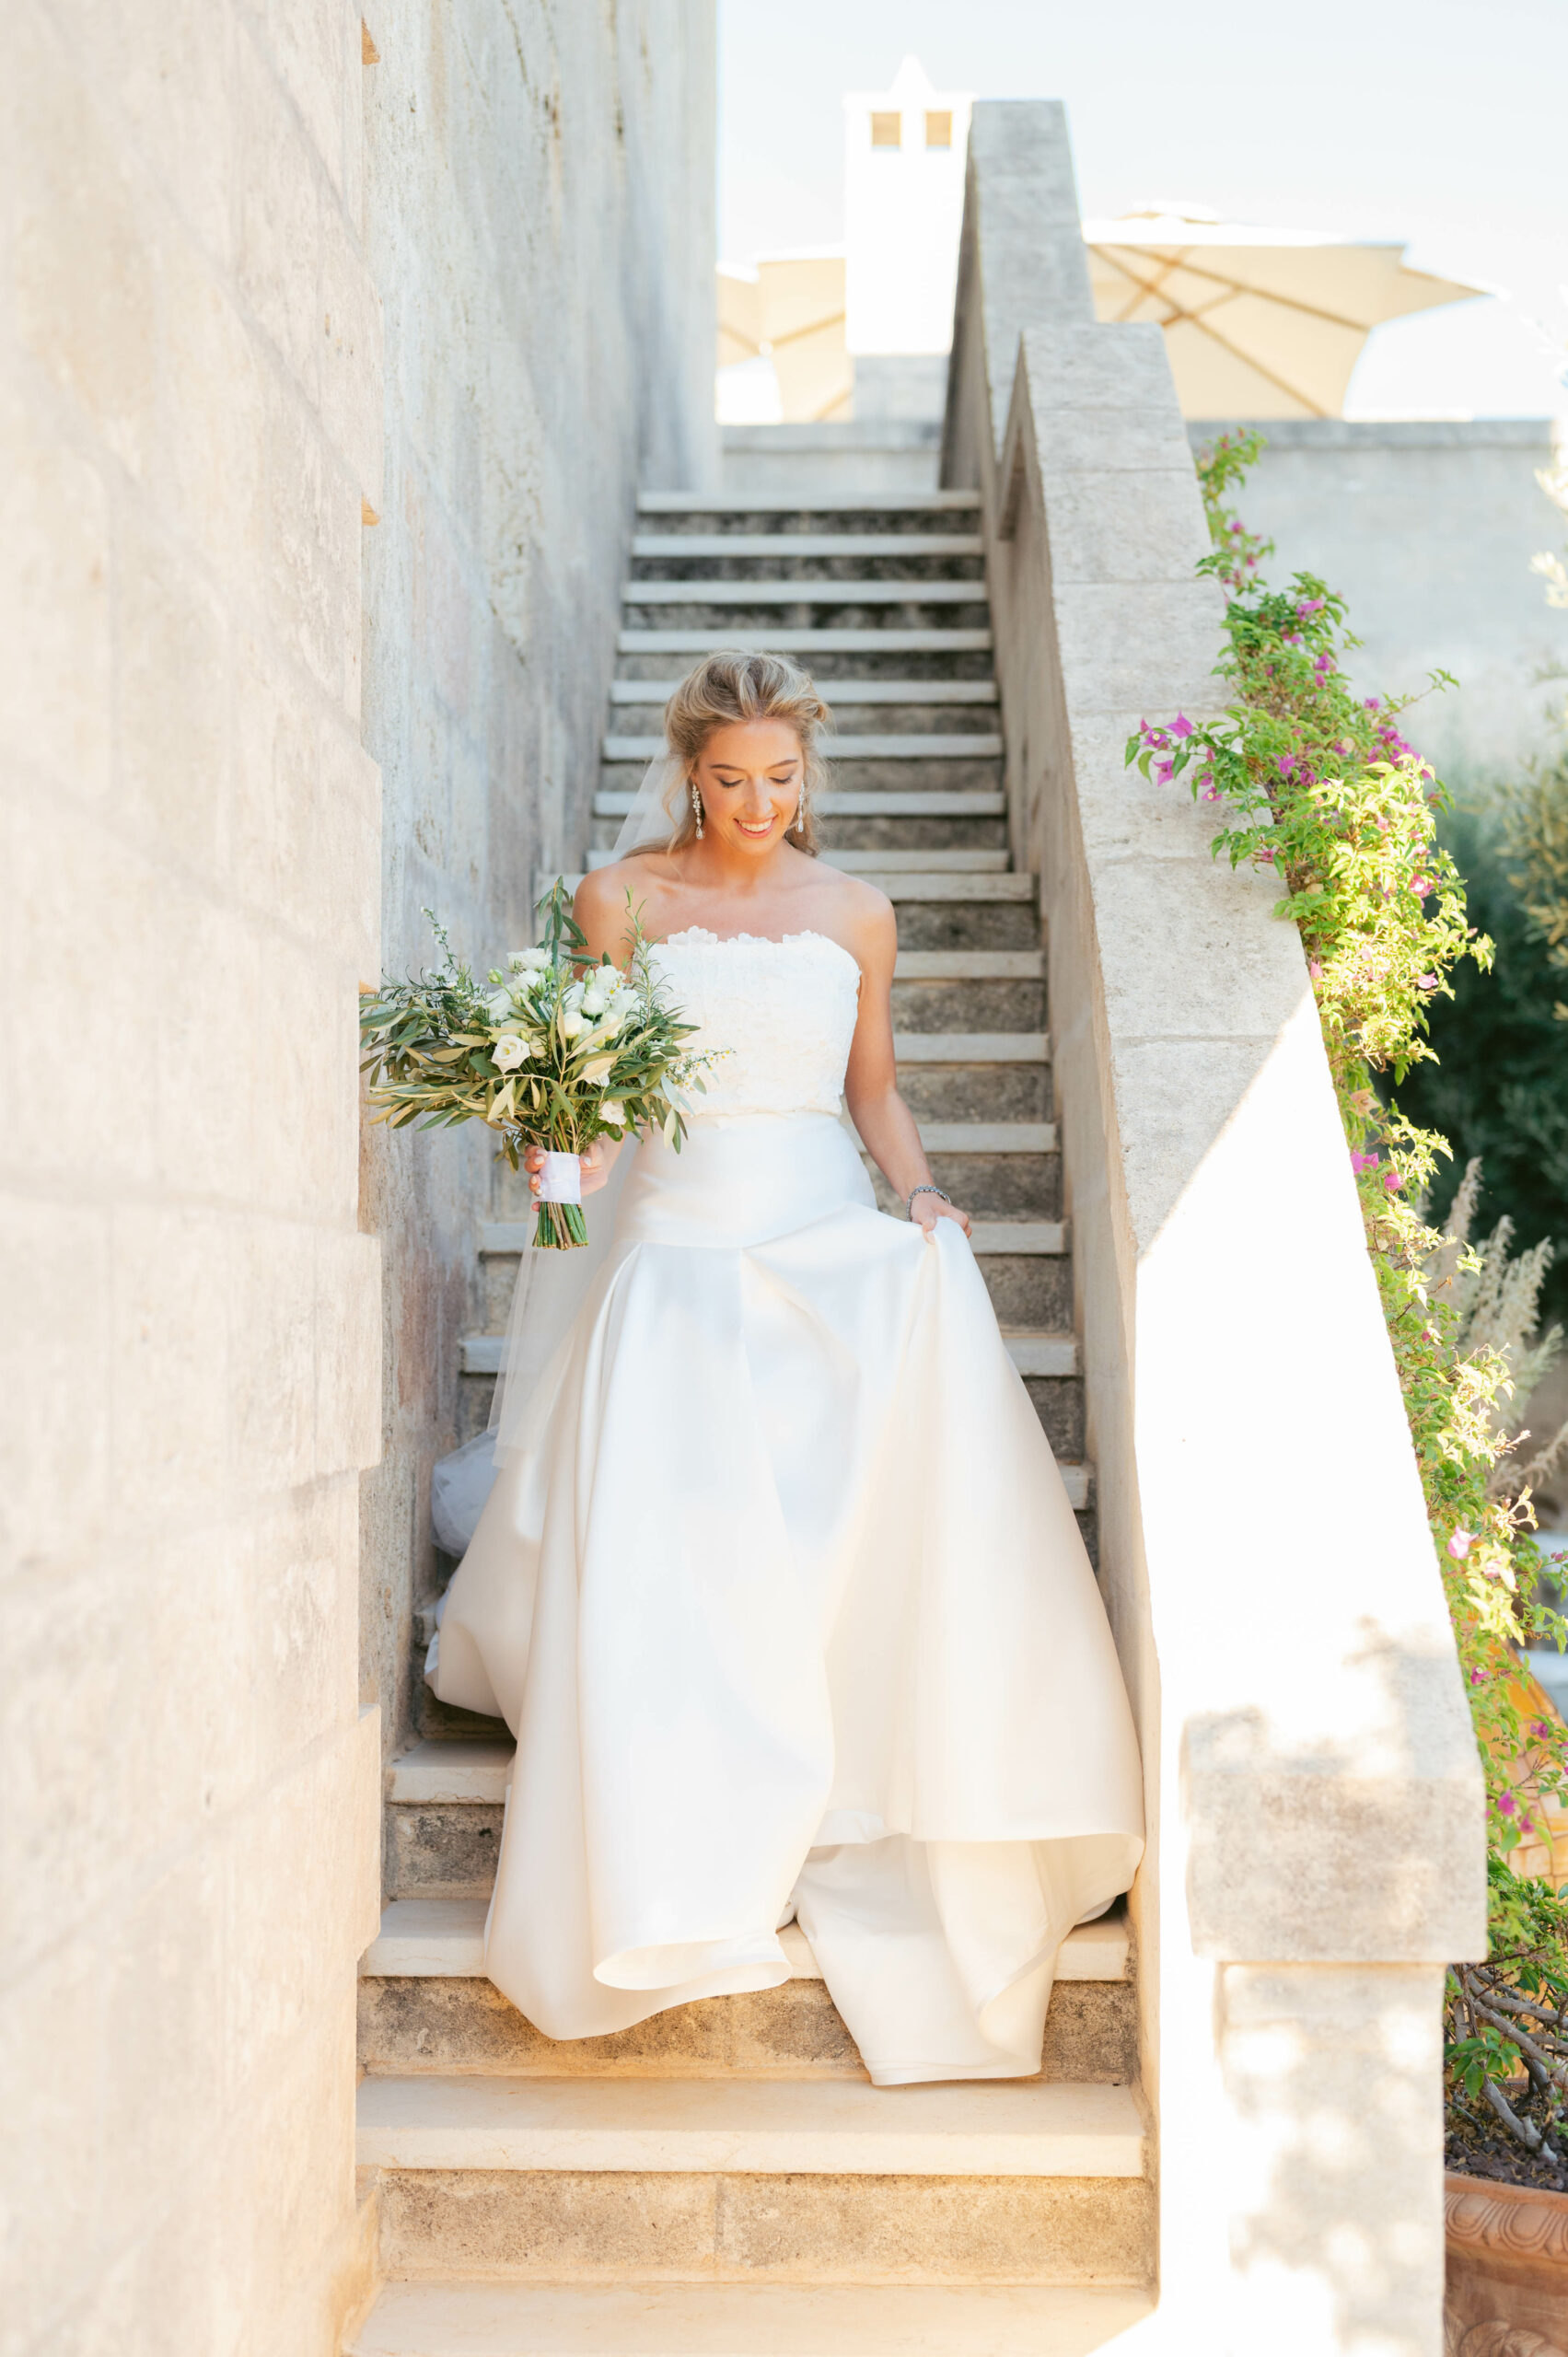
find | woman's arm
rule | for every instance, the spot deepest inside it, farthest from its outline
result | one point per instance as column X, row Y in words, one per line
column 887, row 1127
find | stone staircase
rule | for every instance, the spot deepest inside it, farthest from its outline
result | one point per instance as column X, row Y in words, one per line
column 723, row 2178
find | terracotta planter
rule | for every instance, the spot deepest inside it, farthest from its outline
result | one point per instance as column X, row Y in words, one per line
column 1507, row 2274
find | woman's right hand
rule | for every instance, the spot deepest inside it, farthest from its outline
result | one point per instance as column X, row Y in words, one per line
column 597, row 1160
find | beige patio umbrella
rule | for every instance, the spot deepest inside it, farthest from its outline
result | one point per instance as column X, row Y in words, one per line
column 792, row 310
column 1258, row 322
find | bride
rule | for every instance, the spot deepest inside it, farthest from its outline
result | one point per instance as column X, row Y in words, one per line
column 778, row 1586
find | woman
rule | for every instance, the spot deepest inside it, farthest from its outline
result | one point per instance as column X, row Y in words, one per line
column 781, row 1592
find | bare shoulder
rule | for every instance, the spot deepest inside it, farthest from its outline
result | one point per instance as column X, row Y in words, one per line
column 611, row 901
column 863, row 918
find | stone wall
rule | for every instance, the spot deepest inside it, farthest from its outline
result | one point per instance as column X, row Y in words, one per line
column 190, row 356
column 1428, row 528
column 200, row 250
column 539, row 219
column 1316, row 1850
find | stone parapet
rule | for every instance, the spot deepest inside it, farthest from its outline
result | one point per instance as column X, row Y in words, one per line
column 1314, row 1798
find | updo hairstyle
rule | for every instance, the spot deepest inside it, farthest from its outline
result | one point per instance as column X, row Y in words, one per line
column 728, row 687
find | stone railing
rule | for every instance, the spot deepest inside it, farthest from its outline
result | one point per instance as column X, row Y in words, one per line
column 1315, row 1799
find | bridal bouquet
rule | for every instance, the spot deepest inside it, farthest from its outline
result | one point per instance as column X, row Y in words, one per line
column 556, row 1052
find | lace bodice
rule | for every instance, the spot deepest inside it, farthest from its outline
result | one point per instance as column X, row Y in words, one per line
column 785, row 1009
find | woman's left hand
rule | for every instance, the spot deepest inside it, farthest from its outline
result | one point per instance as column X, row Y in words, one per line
column 595, row 1159
column 927, row 1209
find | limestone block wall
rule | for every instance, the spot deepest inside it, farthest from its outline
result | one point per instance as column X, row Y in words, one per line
column 189, row 419
column 539, row 218
column 1315, row 1802
column 1428, row 528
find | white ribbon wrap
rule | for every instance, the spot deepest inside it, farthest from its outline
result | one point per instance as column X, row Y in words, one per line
column 560, row 1180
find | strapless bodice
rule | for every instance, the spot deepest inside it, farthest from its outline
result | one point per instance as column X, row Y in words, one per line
column 786, row 1010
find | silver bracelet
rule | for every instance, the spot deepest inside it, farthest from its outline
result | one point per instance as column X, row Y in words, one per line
column 926, row 1189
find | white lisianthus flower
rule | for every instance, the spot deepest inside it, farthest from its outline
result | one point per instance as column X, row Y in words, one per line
column 593, row 1001
column 613, row 1115
column 574, row 1023
column 499, row 1006
column 528, row 961
column 509, row 1051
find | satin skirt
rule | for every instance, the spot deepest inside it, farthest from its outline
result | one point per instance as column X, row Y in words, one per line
column 785, row 1605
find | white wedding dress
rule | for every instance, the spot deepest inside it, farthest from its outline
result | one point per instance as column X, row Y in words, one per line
column 783, row 1599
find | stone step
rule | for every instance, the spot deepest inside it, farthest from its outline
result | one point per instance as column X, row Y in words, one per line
column 1031, row 1354
column 933, row 804
column 443, row 1939
column 959, row 885
column 809, row 592
column 485, row 2318
column 820, row 503
column 951, row 884
column 1042, row 1353
column 877, row 863
column 802, row 545
column 872, row 831
column 912, row 863
column 504, row 1238
column 750, row 2126
column 972, row 1047
column 738, row 2226
column 891, row 641
column 988, row 1137
column 847, row 693
column 953, row 746
column 426, row 2006
column 970, row 966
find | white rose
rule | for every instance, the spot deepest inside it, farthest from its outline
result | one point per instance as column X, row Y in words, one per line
column 509, row 1052
column 613, row 1115
column 528, row 961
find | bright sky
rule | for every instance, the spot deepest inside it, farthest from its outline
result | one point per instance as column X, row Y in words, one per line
column 1440, row 123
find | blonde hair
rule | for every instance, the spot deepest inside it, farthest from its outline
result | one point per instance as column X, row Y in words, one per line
column 728, row 687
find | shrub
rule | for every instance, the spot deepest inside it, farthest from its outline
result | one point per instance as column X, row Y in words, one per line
column 1323, row 789
column 1496, row 1089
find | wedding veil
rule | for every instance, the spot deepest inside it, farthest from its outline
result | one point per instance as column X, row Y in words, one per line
column 552, row 1285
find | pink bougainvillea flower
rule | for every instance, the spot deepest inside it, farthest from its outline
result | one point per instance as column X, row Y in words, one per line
column 1426, row 981
column 1477, row 1677
column 1373, row 703
column 1267, row 855
column 1288, row 764
column 1391, row 1179
column 1164, row 773
column 1507, row 1804
column 1314, row 970
column 1181, row 726
column 1525, row 1825
column 1360, row 1162
column 1461, row 1544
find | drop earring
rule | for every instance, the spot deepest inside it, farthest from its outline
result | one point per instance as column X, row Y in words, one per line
column 800, row 816
column 697, row 809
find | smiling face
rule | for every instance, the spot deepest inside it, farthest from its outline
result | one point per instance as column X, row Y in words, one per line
column 751, row 775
